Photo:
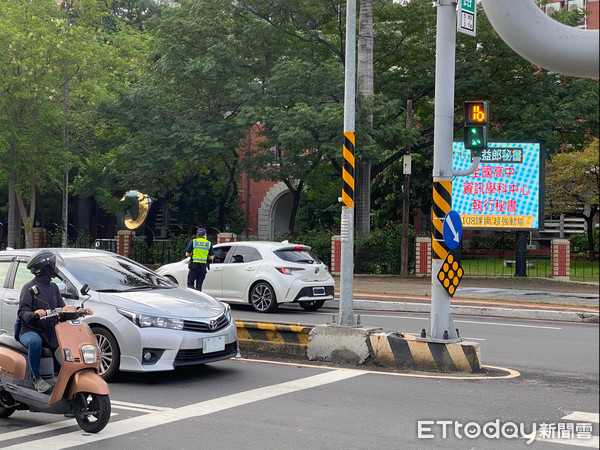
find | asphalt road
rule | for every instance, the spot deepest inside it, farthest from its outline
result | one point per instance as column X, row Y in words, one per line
column 547, row 374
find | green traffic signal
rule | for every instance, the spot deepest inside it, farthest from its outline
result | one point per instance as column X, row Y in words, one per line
column 475, row 136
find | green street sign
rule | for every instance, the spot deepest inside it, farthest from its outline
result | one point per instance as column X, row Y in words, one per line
column 467, row 17
column 468, row 5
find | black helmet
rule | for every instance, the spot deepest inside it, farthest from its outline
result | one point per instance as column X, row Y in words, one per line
column 40, row 260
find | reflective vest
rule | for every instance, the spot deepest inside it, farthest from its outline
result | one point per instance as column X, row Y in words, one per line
column 200, row 250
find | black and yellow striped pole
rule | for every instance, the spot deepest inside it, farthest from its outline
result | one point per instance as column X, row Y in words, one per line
column 346, row 314
column 348, row 170
column 442, row 204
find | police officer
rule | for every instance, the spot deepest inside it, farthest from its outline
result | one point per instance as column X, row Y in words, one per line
column 201, row 254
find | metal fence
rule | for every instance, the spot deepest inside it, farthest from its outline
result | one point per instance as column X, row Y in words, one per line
column 475, row 264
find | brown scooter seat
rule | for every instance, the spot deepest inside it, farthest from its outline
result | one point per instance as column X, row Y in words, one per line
column 9, row 341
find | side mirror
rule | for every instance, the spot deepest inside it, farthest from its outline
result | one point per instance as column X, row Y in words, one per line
column 84, row 289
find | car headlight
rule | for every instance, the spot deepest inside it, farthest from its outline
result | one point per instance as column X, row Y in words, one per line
column 147, row 320
column 227, row 312
column 89, row 353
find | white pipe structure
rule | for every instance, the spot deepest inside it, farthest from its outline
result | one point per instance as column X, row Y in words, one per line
column 542, row 40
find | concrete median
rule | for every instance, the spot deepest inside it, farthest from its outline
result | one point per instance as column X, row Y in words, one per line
column 273, row 338
column 357, row 346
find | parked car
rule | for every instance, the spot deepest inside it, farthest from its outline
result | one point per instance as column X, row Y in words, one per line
column 142, row 321
column 264, row 274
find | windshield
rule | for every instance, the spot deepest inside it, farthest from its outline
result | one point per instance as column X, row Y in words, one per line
column 113, row 273
column 298, row 255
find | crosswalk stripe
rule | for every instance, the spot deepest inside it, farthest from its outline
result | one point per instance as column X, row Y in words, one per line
column 158, row 418
column 41, row 429
column 579, row 416
column 590, row 443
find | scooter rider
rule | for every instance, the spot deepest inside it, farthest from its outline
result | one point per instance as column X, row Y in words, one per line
column 36, row 333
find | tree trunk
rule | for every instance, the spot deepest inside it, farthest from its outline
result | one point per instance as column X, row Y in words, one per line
column 65, row 196
column 590, row 233
column 295, row 203
column 14, row 220
column 27, row 218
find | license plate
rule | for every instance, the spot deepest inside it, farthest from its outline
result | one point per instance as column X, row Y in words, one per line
column 213, row 344
column 318, row 291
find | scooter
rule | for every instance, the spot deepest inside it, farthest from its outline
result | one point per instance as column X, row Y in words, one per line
column 78, row 389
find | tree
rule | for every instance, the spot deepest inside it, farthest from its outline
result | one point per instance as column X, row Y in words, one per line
column 572, row 186
column 49, row 45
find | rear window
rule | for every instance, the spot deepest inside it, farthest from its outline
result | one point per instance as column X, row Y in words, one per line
column 300, row 255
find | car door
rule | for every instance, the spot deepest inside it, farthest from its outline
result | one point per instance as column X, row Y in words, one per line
column 213, row 282
column 5, row 268
column 240, row 269
column 16, row 277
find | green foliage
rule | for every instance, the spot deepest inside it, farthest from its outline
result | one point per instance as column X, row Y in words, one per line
column 382, row 249
column 162, row 96
column 159, row 252
column 319, row 242
column 492, row 240
column 579, row 242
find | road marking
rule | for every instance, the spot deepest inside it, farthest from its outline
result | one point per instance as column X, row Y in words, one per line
column 579, row 417
column 115, row 404
column 158, row 418
column 508, row 324
column 464, row 337
column 583, row 417
column 455, row 321
column 594, row 442
column 511, row 373
column 40, row 429
column 136, row 407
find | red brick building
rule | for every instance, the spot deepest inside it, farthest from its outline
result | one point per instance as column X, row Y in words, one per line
column 590, row 21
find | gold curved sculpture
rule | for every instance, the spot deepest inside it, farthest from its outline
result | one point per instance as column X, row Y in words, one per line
column 142, row 202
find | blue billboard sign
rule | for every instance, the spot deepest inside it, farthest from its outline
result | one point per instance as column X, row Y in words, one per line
column 506, row 191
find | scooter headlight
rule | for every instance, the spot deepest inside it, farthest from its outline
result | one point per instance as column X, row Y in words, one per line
column 89, row 353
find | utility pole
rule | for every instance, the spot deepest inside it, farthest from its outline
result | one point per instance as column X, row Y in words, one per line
column 441, row 324
column 406, row 198
column 346, row 312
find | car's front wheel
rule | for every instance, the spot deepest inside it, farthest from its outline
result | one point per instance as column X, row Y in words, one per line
column 262, row 298
column 110, row 355
column 312, row 305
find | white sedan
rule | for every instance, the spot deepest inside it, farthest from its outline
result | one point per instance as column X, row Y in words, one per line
column 142, row 321
column 263, row 274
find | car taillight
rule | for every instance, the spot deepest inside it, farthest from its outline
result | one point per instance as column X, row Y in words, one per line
column 288, row 270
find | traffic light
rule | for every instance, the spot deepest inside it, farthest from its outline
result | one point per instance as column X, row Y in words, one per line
column 476, row 126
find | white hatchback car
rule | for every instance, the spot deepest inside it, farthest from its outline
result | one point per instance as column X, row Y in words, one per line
column 263, row 274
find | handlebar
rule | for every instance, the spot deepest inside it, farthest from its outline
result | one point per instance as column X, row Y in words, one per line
column 66, row 313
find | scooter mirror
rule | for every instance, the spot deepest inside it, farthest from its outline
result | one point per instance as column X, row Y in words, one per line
column 85, row 289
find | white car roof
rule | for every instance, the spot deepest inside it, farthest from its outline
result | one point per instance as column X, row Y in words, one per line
column 266, row 245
